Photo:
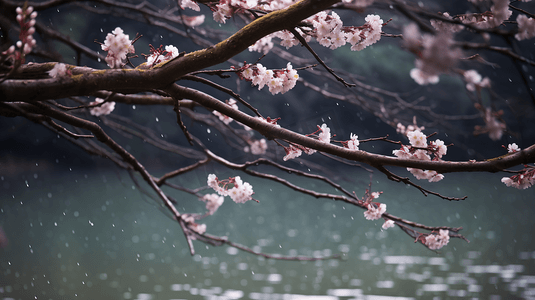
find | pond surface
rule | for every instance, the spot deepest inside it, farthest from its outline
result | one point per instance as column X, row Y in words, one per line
column 94, row 236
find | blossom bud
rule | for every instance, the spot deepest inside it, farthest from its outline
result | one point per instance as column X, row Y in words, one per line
column 29, row 10
column 27, row 48
column 18, row 10
column 31, row 30
column 33, row 15
column 19, row 44
column 31, row 23
column 19, row 18
column 11, row 49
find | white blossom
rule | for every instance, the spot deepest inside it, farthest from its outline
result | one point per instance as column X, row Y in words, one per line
column 325, row 134
column 104, row 109
column 512, row 148
column 353, row 143
column 375, row 213
column 60, row 69
column 213, row 202
column 437, row 241
column 526, row 27
column 387, row 224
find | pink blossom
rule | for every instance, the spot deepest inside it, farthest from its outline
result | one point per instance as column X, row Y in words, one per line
column 388, row 223
column 104, row 109
column 512, row 148
column 118, row 45
column 325, row 134
column 213, row 202
column 353, row 143
column 59, row 70
column 375, row 213
column 437, row 241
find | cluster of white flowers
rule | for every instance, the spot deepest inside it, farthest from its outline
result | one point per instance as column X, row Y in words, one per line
column 375, row 213
column 26, row 19
column 353, row 143
column 493, row 126
column 418, row 141
column 387, row 224
column 294, row 151
column 189, row 4
column 526, row 27
column 445, row 26
column 522, row 180
column 325, row 134
column 159, row 55
column 257, row 147
column 59, row 69
column 226, row 8
column 190, row 220
column 118, row 46
column 475, row 81
column 437, row 241
column 213, row 202
column 436, row 54
column 278, row 81
column 224, row 118
column 241, row 192
column 400, row 128
column 104, row 109
column 329, row 32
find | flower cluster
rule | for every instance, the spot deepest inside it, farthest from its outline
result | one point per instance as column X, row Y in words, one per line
column 213, row 202
column 240, row 192
column 475, row 81
column 257, row 147
column 353, row 143
column 118, row 46
column 522, row 180
column 375, row 212
column 295, row 150
column 436, row 54
column 493, row 125
column 329, row 31
column 103, row 109
column 159, row 55
column 420, row 150
column 226, row 119
column 437, row 241
column 400, row 128
column 26, row 19
column 526, row 27
column 325, row 134
column 190, row 220
column 387, row 224
column 525, row 178
column 278, row 81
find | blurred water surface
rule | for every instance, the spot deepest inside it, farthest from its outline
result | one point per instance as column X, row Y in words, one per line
column 94, row 236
